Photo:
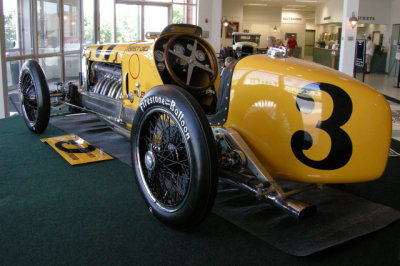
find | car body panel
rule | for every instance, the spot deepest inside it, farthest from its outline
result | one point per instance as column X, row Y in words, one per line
column 264, row 109
column 139, row 72
column 279, row 106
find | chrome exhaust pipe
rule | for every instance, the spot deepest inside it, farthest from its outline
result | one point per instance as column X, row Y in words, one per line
column 295, row 209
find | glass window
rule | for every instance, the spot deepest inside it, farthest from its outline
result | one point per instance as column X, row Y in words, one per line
column 185, row 1
column 178, row 14
column 88, row 22
column 155, row 25
column 52, row 68
column 128, row 22
column 13, row 68
column 17, row 26
column 48, row 26
column 106, row 21
column 71, row 25
column 184, row 14
column 72, row 67
column 10, row 24
column 159, row 1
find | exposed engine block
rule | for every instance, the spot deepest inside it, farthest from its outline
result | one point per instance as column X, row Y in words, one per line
column 107, row 80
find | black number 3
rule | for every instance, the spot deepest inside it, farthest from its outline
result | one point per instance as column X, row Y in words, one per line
column 341, row 146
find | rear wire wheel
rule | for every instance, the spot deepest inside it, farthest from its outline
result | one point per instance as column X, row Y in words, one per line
column 174, row 157
column 35, row 96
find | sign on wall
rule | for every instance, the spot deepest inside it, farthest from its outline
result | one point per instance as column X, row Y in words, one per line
column 292, row 18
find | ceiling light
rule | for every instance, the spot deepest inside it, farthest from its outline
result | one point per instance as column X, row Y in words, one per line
column 297, row 5
column 306, row 1
column 255, row 4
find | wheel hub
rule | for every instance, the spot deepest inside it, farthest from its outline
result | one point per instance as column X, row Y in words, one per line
column 150, row 160
column 173, row 151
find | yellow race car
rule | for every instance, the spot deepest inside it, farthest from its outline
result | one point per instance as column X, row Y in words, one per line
column 267, row 117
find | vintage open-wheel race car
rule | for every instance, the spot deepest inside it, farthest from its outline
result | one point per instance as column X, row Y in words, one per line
column 267, row 117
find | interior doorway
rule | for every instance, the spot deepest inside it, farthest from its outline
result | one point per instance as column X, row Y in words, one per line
column 310, row 43
column 393, row 65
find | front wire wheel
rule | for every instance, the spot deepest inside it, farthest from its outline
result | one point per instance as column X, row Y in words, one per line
column 35, row 96
column 163, row 151
column 174, row 157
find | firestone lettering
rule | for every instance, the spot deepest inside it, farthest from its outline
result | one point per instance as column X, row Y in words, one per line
column 172, row 106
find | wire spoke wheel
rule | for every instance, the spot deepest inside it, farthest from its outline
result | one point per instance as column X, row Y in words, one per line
column 29, row 97
column 35, row 96
column 174, row 157
column 164, row 154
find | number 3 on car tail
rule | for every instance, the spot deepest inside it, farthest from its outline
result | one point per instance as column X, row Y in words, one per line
column 341, row 145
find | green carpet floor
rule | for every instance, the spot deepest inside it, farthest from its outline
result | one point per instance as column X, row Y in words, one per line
column 52, row 213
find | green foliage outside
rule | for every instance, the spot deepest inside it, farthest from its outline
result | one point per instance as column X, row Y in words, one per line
column 106, row 33
column 177, row 16
column 126, row 32
column 10, row 31
column 88, row 30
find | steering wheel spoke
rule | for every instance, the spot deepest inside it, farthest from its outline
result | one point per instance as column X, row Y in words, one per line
column 189, row 74
column 194, row 50
column 181, row 56
column 210, row 64
column 203, row 67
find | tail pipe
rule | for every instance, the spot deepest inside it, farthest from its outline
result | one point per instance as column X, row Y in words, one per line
column 295, row 209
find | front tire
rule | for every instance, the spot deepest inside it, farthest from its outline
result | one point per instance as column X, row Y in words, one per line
column 174, row 157
column 35, row 96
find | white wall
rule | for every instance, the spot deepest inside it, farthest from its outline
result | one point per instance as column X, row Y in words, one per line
column 209, row 15
column 232, row 10
column 294, row 22
column 377, row 12
column 395, row 12
column 311, row 26
column 367, row 30
column 262, row 20
column 332, row 9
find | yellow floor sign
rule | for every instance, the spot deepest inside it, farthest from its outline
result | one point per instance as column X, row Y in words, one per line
column 76, row 150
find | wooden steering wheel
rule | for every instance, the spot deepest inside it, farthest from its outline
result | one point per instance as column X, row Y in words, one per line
column 208, row 65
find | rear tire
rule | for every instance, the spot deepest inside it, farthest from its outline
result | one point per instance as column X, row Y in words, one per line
column 174, row 157
column 35, row 96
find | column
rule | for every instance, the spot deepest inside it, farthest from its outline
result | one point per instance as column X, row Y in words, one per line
column 349, row 35
column 210, row 20
column 3, row 70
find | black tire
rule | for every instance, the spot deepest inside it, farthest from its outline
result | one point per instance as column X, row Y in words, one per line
column 35, row 96
column 174, row 157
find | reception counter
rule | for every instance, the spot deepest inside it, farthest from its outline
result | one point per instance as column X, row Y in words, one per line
column 325, row 57
column 378, row 63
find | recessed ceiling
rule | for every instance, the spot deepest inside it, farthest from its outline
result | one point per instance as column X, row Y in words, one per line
column 301, row 5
